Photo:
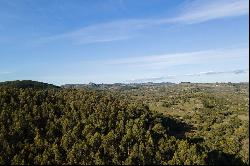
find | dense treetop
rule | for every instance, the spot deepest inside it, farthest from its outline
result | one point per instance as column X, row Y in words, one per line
column 27, row 84
column 79, row 126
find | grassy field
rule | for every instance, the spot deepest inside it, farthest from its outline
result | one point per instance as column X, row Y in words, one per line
column 218, row 113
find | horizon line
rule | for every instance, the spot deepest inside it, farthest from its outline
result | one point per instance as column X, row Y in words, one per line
column 154, row 82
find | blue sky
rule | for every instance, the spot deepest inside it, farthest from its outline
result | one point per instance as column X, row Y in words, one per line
column 108, row 41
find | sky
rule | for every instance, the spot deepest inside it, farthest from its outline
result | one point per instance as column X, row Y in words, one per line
column 126, row 41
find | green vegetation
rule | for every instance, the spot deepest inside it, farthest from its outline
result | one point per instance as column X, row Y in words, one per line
column 27, row 84
column 156, row 124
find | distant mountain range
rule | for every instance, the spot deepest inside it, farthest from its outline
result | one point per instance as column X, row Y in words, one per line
column 121, row 86
column 115, row 86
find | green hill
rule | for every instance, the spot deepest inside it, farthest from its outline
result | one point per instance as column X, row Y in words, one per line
column 27, row 84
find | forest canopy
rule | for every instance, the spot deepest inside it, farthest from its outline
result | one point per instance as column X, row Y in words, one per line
column 43, row 124
column 27, row 84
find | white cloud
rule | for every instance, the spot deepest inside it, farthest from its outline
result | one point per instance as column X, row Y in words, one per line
column 152, row 79
column 167, row 60
column 166, row 67
column 194, row 12
column 5, row 72
column 200, row 11
column 170, row 77
column 102, row 32
column 237, row 71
